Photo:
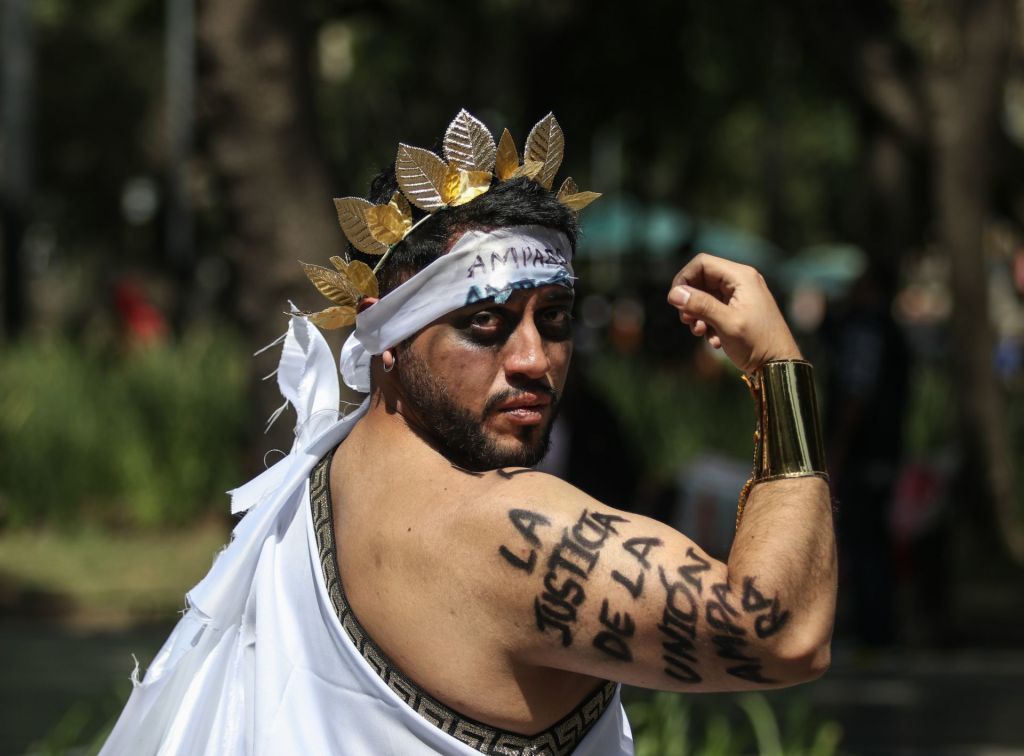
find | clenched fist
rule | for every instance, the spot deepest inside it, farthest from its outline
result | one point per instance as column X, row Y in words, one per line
column 730, row 305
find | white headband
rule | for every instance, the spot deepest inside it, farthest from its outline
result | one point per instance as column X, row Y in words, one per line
column 481, row 265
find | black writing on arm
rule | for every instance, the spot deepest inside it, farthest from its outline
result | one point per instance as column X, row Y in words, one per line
column 526, row 523
column 569, row 566
column 678, row 628
column 692, row 571
column 639, row 548
column 771, row 621
column 728, row 620
column 618, row 627
column 729, row 637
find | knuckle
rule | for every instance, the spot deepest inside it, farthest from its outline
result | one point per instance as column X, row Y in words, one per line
column 699, row 305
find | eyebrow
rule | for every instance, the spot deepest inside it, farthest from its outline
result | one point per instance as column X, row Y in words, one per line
column 559, row 294
column 556, row 295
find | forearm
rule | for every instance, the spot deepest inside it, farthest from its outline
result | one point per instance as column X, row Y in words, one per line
column 786, row 542
column 765, row 616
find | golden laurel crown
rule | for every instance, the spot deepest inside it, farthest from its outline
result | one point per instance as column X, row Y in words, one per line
column 471, row 161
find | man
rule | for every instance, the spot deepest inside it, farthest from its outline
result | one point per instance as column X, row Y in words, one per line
column 426, row 592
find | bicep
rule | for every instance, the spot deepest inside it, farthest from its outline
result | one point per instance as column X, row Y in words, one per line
column 623, row 597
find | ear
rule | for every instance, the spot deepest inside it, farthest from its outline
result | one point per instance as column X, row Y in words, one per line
column 365, row 302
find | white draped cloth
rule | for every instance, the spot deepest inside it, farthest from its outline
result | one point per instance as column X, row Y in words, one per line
column 259, row 663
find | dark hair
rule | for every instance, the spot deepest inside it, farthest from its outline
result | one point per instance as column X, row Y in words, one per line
column 516, row 202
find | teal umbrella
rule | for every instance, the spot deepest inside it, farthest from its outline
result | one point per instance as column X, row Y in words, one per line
column 734, row 243
column 614, row 226
column 830, row 267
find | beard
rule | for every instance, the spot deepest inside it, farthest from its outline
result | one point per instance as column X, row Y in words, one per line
column 459, row 433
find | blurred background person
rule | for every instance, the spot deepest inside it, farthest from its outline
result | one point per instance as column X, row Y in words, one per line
column 867, row 390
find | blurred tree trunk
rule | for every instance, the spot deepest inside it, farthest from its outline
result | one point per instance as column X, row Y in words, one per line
column 256, row 113
column 863, row 45
column 967, row 75
column 932, row 99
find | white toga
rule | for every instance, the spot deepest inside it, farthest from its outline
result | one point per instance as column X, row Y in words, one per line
column 261, row 662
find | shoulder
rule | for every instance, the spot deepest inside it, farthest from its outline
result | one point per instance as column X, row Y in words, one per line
column 543, row 545
column 526, row 506
column 522, row 484
column 528, row 511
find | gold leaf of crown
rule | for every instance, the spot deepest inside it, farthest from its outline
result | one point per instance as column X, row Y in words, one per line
column 471, row 161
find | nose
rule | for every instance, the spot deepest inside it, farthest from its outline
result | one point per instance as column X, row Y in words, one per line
column 526, row 352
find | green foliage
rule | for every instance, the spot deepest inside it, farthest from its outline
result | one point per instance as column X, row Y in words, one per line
column 671, row 414
column 710, row 117
column 85, row 725
column 671, row 724
column 110, row 52
column 145, row 438
column 931, row 418
column 931, row 423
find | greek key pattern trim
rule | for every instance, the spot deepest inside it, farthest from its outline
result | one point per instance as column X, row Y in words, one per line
column 558, row 740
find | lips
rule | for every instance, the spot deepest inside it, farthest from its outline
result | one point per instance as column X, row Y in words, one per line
column 525, row 409
column 525, row 400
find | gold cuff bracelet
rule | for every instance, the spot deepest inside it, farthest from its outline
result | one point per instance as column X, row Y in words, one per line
column 787, row 439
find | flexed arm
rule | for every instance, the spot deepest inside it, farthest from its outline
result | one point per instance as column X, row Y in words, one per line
column 731, row 306
column 615, row 595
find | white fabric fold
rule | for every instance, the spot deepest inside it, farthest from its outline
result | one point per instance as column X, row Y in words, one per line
column 192, row 671
column 479, row 266
column 302, row 376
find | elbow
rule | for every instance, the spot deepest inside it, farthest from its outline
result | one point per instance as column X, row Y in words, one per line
column 805, row 659
column 818, row 662
column 804, row 649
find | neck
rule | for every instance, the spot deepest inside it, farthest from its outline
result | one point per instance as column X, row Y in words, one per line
column 386, row 433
